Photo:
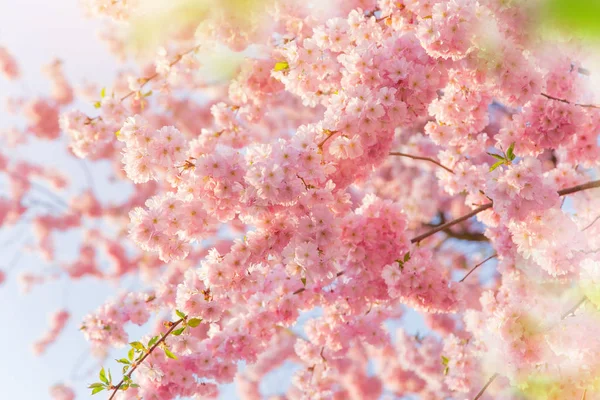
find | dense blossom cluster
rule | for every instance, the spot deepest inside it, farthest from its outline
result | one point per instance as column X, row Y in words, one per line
column 296, row 212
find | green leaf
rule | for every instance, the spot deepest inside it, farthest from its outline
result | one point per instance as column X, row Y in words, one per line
column 131, row 354
column 123, row 361
column 575, row 17
column 153, row 341
column 179, row 314
column 103, row 376
column 445, row 360
column 97, row 390
column 510, row 152
column 103, row 93
column 97, row 104
column 496, row 156
column 138, row 346
column 125, row 369
column 147, row 94
column 169, row 354
column 194, row 322
column 124, row 387
column 134, row 385
column 178, row 332
column 407, row 257
column 95, row 385
column 499, row 163
column 281, row 66
column 109, row 377
column 446, row 370
column 303, row 281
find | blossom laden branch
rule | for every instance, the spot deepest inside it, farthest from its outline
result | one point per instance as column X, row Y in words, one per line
column 131, row 364
column 144, row 81
column 125, row 382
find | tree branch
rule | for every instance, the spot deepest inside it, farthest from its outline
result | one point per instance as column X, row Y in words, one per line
column 563, row 192
column 568, row 102
column 396, row 153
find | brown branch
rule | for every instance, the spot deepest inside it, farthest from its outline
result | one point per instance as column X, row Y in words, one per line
column 451, row 223
column 565, row 315
column 477, row 266
column 563, row 192
column 579, row 188
column 150, row 350
column 396, row 153
column 489, row 382
column 568, row 102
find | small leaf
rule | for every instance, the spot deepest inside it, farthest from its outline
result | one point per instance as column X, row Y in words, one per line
column 103, row 376
column 97, row 104
column 134, row 385
column 178, row 332
column 194, row 322
column 510, row 152
column 103, row 93
column 446, row 370
column 153, row 341
column 169, row 354
column 496, row 156
column 445, row 360
column 124, row 387
column 109, row 377
column 499, row 163
column 281, row 66
column 303, row 281
column 407, row 257
column 123, row 361
column 137, row 346
column 147, row 94
column 95, row 385
column 131, row 354
column 97, row 390
column 125, row 369
column 179, row 314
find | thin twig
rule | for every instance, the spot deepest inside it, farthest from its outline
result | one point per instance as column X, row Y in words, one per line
column 397, row 153
column 489, row 382
column 150, row 350
column 40, row 188
column 88, row 175
column 591, row 223
column 477, row 266
column 574, row 308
